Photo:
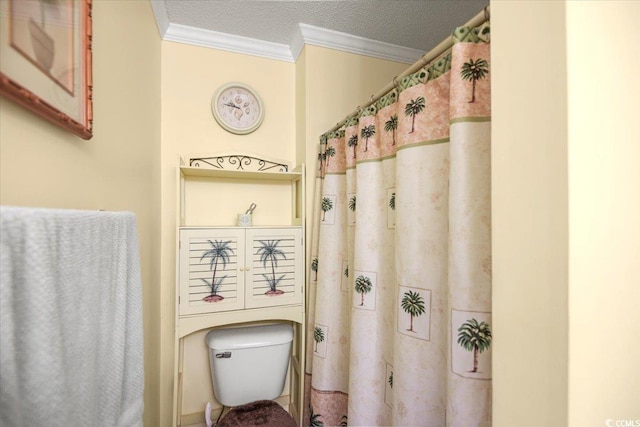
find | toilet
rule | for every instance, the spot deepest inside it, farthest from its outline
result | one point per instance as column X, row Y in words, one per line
column 248, row 370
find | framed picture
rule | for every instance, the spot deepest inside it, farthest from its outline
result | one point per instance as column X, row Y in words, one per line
column 45, row 60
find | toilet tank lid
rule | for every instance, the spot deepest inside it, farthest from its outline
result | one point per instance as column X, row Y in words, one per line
column 248, row 337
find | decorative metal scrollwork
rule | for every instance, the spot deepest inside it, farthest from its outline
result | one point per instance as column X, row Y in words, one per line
column 238, row 162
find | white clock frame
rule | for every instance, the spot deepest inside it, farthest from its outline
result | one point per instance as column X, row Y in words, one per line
column 227, row 125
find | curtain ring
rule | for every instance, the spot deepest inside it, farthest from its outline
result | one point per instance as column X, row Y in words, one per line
column 486, row 13
column 395, row 81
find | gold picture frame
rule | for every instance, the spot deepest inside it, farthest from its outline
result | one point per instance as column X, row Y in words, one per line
column 46, row 60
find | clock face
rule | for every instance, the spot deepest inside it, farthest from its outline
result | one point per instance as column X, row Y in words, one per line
column 237, row 108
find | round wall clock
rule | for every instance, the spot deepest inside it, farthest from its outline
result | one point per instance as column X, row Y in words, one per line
column 237, row 108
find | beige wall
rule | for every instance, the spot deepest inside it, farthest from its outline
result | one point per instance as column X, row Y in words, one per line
column 566, row 190
column 604, row 211
column 44, row 166
column 336, row 83
column 529, row 213
column 301, row 107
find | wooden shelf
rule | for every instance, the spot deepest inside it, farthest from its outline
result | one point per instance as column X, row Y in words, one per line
column 231, row 174
column 271, row 227
column 204, row 182
column 189, row 324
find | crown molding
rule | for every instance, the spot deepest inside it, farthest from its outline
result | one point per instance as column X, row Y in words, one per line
column 162, row 19
column 228, row 42
column 307, row 34
column 297, row 44
column 354, row 44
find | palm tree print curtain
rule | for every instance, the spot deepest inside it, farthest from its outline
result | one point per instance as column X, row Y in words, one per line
column 400, row 297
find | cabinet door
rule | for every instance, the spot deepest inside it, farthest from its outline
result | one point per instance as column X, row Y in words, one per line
column 275, row 276
column 209, row 278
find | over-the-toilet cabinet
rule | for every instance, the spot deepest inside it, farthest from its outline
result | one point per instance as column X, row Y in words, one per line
column 224, row 269
column 232, row 275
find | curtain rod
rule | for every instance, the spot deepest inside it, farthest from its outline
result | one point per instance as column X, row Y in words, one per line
column 428, row 57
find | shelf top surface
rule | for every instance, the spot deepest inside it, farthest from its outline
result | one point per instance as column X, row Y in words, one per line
column 217, row 173
column 253, row 227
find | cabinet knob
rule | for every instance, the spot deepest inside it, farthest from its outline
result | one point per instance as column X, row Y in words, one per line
column 241, row 268
column 247, row 268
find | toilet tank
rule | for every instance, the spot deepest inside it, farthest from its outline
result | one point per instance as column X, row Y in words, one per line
column 249, row 363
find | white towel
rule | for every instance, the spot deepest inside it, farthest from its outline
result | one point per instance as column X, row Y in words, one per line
column 71, row 349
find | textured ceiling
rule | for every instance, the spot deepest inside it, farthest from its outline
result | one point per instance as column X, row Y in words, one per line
column 417, row 24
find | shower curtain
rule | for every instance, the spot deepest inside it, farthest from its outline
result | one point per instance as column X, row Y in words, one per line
column 400, row 279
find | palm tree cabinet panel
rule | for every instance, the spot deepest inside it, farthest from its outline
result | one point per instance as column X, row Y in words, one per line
column 223, row 269
column 237, row 275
